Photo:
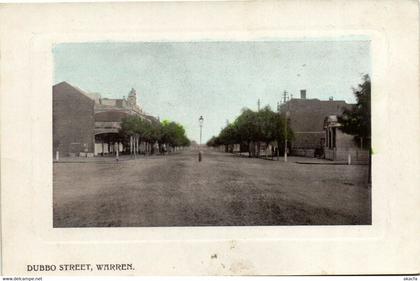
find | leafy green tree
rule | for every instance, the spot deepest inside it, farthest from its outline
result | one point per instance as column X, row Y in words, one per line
column 154, row 131
column 213, row 141
column 173, row 134
column 229, row 136
column 252, row 128
column 151, row 131
column 357, row 120
column 247, row 126
column 128, row 126
column 136, row 128
column 271, row 126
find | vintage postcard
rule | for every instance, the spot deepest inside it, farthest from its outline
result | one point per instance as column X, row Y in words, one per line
column 210, row 138
column 264, row 144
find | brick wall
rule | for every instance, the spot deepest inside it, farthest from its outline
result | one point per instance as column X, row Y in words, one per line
column 307, row 119
column 73, row 120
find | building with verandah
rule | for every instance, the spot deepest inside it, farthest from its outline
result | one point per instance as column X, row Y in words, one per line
column 339, row 146
column 85, row 124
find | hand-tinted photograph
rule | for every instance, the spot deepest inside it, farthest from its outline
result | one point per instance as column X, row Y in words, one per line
column 232, row 133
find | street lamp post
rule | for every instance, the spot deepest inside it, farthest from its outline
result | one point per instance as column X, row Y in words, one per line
column 200, row 154
column 201, row 120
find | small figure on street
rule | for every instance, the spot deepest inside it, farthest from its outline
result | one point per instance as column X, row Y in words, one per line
column 155, row 147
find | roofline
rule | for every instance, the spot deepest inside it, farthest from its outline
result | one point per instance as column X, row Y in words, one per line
column 83, row 92
column 316, row 99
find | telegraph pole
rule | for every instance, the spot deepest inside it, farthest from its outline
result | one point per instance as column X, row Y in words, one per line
column 285, row 125
column 259, row 103
column 278, row 141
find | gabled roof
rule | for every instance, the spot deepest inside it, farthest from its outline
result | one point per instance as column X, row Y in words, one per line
column 66, row 85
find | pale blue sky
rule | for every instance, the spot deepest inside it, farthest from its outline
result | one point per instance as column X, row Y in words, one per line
column 180, row 81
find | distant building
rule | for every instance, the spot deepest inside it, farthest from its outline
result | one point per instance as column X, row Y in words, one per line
column 306, row 118
column 108, row 117
column 128, row 105
column 85, row 124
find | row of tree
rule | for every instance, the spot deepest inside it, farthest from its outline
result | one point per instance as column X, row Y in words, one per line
column 165, row 134
column 251, row 128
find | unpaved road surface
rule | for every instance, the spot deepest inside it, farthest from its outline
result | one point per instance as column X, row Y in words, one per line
column 222, row 190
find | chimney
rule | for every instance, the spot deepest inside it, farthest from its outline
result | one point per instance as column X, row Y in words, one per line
column 303, row 94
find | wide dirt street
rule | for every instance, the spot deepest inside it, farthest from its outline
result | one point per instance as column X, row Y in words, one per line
column 223, row 190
